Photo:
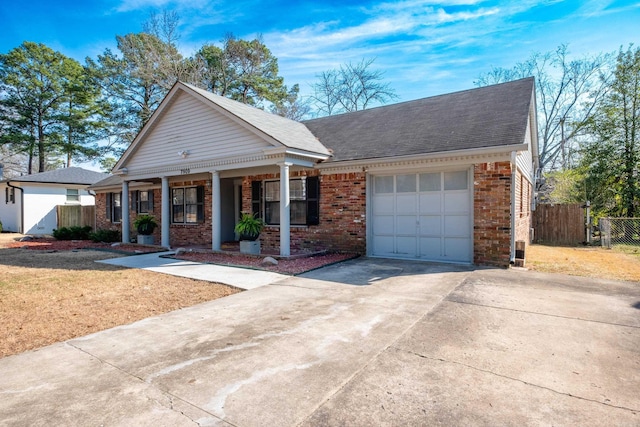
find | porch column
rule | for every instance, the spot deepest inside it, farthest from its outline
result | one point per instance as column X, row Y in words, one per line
column 124, row 203
column 285, row 219
column 165, row 213
column 216, row 212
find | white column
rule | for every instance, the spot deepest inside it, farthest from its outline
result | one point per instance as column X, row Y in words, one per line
column 285, row 218
column 216, row 212
column 165, row 213
column 124, row 204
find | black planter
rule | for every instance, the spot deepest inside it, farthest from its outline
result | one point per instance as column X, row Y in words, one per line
column 249, row 237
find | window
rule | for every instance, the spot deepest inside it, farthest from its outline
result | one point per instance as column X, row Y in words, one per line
column 142, row 200
column 73, row 196
column 114, row 207
column 188, row 205
column 10, row 195
column 304, row 197
column 456, row 180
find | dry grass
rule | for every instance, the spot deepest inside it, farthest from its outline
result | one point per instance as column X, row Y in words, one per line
column 584, row 261
column 46, row 297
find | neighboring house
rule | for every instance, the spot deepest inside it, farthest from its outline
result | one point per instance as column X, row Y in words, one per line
column 446, row 178
column 29, row 202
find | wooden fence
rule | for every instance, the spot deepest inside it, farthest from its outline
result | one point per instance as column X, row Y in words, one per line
column 559, row 224
column 76, row 215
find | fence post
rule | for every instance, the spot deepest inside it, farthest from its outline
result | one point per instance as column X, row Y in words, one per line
column 605, row 232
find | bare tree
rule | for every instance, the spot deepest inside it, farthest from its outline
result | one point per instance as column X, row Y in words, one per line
column 568, row 91
column 352, row 87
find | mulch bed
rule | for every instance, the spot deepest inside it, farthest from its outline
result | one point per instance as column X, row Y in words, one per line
column 49, row 244
column 291, row 266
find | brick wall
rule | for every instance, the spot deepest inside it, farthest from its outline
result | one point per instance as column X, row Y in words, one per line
column 492, row 214
column 342, row 215
column 180, row 235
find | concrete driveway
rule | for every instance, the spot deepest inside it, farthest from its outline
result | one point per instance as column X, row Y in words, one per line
column 367, row 342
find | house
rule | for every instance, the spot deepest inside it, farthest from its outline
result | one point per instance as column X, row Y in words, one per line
column 30, row 201
column 446, row 178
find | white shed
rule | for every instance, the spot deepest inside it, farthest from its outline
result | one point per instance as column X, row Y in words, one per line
column 28, row 203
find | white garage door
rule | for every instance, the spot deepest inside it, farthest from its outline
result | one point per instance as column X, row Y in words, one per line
column 422, row 215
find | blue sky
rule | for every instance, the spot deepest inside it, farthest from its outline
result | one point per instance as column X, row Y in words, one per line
column 425, row 47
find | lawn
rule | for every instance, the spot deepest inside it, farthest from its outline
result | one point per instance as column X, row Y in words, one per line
column 48, row 296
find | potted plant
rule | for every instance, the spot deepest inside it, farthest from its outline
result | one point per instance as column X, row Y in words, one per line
column 145, row 224
column 249, row 228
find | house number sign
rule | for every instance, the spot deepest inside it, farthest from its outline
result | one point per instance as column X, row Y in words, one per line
column 185, row 171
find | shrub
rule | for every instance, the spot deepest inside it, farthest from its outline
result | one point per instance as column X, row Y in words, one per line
column 107, row 236
column 72, row 233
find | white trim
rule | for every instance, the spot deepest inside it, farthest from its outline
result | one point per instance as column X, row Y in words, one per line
column 458, row 158
column 221, row 165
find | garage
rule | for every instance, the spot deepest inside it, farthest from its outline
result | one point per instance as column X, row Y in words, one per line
column 425, row 216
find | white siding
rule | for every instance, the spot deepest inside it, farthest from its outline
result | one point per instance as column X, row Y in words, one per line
column 188, row 124
column 9, row 212
column 524, row 159
column 40, row 216
column 40, row 212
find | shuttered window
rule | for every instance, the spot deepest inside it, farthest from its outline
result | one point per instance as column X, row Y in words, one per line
column 187, row 205
column 143, row 201
column 304, row 206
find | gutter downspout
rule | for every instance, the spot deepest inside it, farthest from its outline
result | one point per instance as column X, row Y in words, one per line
column 512, row 256
column 21, row 227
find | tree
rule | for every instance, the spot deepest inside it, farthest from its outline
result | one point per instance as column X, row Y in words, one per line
column 292, row 107
column 82, row 116
column 136, row 82
column 244, row 70
column 33, row 84
column 568, row 91
column 352, row 87
column 613, row 157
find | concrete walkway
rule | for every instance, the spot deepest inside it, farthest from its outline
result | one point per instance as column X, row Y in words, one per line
column 242, row 278
column 365, row 342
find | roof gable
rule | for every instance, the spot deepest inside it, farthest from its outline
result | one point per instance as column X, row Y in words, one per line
column 207, row 126
column 490, row 116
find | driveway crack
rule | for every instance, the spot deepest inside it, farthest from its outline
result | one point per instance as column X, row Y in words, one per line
column 453, row 300
column 170, row 396
column 486, row 371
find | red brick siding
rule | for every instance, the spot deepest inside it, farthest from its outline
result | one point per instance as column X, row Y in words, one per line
column 342, row 215
column 180, row 235
column 492, row 214
column 343, row 208
column 102, row 223
column 192, row 234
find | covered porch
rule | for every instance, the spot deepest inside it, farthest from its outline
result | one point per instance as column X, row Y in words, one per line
column 227, row 193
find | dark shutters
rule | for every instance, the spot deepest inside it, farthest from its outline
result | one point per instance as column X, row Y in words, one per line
column 256, row 198
column 313, row 200
column 109, row 211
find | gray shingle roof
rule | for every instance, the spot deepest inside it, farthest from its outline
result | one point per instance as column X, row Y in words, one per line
column 289, row 133
column 484, row 117
column 72, row 175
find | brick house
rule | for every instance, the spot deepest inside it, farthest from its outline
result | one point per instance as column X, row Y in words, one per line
column 446, row 178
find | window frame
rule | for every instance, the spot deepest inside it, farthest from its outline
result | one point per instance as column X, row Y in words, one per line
column 73, row 199
column 136, row 200
column 113, row 208
column 199, row 205
column 9, row 195
column 307, row 204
